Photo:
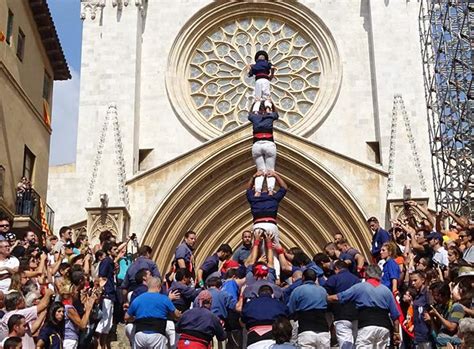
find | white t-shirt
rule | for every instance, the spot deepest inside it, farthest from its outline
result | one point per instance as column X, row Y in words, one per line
column 11, row 262
column 441, row 256
column 30, row 314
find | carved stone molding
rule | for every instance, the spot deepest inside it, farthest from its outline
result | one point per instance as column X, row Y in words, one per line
column 91, row 8
column 113, row 219
column 397, row 210
column 206, row 79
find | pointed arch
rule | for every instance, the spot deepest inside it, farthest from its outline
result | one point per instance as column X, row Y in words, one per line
column 210, row 199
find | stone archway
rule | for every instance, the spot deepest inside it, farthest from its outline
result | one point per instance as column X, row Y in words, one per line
column 210, row 200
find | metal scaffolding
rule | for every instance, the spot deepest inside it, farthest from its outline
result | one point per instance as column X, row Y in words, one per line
column 447, row 39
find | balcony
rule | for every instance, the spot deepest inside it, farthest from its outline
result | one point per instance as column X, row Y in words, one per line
column 28, row 212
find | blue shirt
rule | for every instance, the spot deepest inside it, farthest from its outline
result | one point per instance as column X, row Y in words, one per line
column 242, row 253
column 262, row 66
column 183, row 251
column 341, row 281
column 367, row 296
column 263, row 310
column 151, row 305
column 289, row 290
column 380, row 237
column 262, row 122
column 140, row 289
column 209, row 266
column 187, row 295
column 308, row 296
column 203, row 321
column 390, row 271
column 222, row 302
column 106, row 270
column 140, row 263
column 421, row 304
column 232, row 288
column 265, row 205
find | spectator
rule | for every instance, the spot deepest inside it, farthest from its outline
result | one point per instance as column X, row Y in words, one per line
column 64, row 236
column 106, row 276
column 440, row 256
column 445, row 316
column 421, row 305
column 8, row 265
column 391, row 270
column 31, row 239
column 15, row 304
column 51, row 335
column 16, row 327
column 379, row 237
column 281, row 332
column 467, row 241
column 13, row 343
column 4, row 227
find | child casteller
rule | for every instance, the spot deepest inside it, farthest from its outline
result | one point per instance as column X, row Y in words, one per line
column 263, row 71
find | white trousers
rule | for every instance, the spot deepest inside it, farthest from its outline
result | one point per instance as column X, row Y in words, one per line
column 150, row 341
column 262, row 89
column 373, row 337
column 264, row 344
column 346, row 333
column 171, row 334
column 315, row 340
column 70, row 344
column 270, row 227
column 106, row 321
column 264, row 154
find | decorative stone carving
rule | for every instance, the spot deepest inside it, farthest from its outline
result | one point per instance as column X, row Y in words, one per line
column 220, row 86
column 397, row 210
column 114, row 219
column 91, row 7
column 399, row 108
column 207, row 79
column 120, row 161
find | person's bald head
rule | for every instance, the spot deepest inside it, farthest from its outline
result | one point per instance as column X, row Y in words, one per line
column 154, row 284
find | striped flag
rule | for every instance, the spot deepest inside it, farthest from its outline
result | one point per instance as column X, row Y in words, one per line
column 44, row 221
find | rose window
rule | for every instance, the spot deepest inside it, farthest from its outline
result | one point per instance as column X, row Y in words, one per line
column 218, row 79
column 207, row 80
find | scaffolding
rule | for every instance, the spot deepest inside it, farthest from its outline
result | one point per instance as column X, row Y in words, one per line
column 447, row 39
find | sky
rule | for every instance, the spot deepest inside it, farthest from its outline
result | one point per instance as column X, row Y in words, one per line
column 66, row 16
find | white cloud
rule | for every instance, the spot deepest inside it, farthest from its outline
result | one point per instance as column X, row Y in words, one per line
column 64, row 124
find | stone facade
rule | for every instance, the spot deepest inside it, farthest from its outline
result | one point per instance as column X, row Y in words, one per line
column 139, row 59
column 27, row 72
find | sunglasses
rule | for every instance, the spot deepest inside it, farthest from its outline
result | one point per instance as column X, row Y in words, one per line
column 4, row 225
column 460, row 236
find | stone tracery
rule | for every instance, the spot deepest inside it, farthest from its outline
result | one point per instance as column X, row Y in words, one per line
column 217, row 75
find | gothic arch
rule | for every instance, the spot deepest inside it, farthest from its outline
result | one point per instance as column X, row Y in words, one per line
column 210, row 200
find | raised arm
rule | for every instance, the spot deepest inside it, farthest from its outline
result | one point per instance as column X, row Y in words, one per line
column 269, row 249
column 252, row 258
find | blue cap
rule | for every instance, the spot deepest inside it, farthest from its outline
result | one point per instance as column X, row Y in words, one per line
column 435, row 235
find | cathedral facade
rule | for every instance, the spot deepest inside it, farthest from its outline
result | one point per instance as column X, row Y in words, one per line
column 163, row 137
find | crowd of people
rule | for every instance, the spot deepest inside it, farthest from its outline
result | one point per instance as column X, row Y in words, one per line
column 414, row 291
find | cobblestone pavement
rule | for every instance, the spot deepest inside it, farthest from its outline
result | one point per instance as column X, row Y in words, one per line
column 121, row 341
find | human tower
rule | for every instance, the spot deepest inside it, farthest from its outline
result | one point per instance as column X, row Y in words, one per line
column 261, row 193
